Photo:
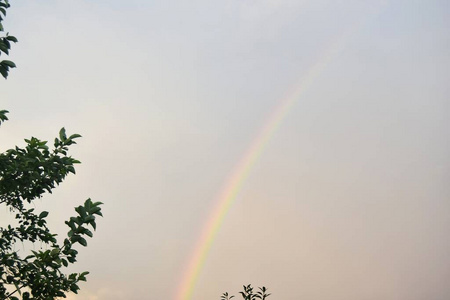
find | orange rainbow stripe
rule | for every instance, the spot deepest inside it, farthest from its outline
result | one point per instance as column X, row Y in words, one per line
column 236, row 181
column 241, row 172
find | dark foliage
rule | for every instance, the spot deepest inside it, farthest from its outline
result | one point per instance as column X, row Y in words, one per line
column 25, row 175
column 5, row 41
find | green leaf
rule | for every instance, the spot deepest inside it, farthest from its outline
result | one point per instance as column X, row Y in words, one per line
column 81, row 211
column 82, row 241
column 64, row 262
column 12, row 38
column 93, row 224
column 62, row 134
column 96, row 210
column 8, row 63
column 89, row 233
column 74, row 136
column 74, row 288
column 54, row 252
column 43, row 214
column 4, row 71
column 89, row 218
column 4, row 47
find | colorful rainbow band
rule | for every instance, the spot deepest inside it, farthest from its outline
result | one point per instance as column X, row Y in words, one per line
column 241, row 172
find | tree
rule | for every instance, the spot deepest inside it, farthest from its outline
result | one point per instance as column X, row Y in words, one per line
column 26, row 174
column 248, row 294
column 5, row 41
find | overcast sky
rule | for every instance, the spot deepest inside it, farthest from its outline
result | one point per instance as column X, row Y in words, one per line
column 350, row 198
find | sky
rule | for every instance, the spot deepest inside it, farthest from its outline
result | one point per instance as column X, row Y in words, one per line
column 347, row 197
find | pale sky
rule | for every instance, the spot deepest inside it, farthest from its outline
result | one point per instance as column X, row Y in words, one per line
column 349, row 199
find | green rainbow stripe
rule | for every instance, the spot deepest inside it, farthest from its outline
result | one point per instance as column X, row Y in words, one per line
column 236, row 181
column 241, row 172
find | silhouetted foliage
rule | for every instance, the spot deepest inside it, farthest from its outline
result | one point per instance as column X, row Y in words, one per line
column 5, row 41
column 248, row 294
column 225, row 296
column 25, row 175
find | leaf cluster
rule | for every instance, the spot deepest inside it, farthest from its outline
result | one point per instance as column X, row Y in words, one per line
column 25, row 175
column 249, row 294
column 5, row 41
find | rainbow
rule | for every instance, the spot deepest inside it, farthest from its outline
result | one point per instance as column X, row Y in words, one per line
column 239, row 175
column 234, row 184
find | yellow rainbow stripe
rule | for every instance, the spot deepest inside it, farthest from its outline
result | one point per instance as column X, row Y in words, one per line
column 234, row 184
column 241, row 172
